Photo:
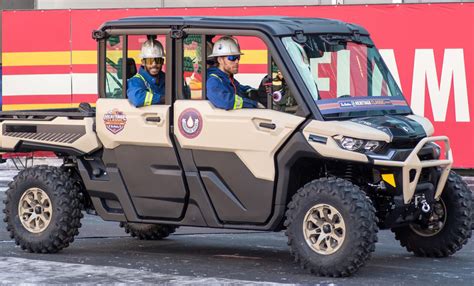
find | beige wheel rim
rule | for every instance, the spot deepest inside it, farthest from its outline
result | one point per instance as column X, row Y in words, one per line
column 324, row 229
column 34, row 210
column 436, row 221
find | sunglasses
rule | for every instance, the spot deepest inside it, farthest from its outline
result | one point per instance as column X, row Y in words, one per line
column 158, row 61
column 233, row 58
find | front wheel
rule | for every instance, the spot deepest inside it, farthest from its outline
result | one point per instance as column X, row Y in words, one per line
column 449, row 225
column 331, row 227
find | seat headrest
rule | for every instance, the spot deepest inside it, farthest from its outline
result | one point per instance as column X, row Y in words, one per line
column 131, row 68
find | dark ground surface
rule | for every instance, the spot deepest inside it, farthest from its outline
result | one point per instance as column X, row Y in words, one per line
column 208, row 256
column 103, row 253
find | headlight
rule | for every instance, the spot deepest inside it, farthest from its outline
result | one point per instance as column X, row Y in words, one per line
column 359, row 145
column 351, row 144
column 372, row 145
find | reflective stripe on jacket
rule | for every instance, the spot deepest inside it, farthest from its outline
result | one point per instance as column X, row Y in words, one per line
column 143, row 90
column 225, row 92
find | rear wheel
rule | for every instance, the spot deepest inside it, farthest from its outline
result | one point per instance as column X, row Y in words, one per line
column 43, row 209
column 449, row 227
column 145, row 231
column 331, row 227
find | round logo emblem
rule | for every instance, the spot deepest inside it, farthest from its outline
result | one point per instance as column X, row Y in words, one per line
column 190, row 123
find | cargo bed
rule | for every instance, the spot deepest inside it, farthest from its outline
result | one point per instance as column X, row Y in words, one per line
column 63, row 131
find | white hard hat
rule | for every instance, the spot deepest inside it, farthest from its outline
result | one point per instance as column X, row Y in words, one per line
column 152, row 49
column 225, row 46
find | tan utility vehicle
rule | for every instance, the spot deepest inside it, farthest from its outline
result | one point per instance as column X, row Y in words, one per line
column 342, row 156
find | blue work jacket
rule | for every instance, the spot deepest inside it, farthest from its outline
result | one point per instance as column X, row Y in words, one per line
column 226, row 92
column 143, row 90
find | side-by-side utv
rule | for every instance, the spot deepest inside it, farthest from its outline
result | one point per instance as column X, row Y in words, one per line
column 344, row 158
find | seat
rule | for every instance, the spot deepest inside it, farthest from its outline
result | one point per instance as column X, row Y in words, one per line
column 131, row 68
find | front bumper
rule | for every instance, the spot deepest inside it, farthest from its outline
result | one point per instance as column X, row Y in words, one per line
column 413, row 163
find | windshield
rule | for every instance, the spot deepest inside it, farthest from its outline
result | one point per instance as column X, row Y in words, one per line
column 346, row 76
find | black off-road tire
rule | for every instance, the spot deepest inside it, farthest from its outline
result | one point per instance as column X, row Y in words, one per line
column 64, row 224
column 472, row 209
column 360, row 221
column 455, row 232
column 145, row 231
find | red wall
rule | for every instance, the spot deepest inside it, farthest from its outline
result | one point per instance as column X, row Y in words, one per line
column 433, row 49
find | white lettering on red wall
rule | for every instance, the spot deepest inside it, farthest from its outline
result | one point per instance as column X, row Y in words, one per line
column 453, row 75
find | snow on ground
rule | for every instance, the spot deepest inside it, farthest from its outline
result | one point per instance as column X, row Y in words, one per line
column 31, row 271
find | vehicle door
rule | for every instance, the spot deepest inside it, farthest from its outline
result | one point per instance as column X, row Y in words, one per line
column 234, row 151
column 137, row 139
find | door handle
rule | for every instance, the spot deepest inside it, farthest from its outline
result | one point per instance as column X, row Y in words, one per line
column 153, row 119
column 267, row 125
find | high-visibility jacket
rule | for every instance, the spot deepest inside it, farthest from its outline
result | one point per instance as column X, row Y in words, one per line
column 226, row 92
column 143, row 89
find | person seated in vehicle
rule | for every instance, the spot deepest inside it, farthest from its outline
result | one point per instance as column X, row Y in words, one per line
column 223, row 90
column 147, row 87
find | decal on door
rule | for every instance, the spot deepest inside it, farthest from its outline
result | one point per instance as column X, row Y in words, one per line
column 190, row 123
column 115, row 121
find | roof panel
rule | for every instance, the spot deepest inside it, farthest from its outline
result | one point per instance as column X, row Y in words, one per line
column 273, row 25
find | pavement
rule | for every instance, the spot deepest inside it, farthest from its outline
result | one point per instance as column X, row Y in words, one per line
column 104, row 254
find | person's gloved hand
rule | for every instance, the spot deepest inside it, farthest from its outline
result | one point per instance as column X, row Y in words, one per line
column 266, row 85
column 252, row 94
